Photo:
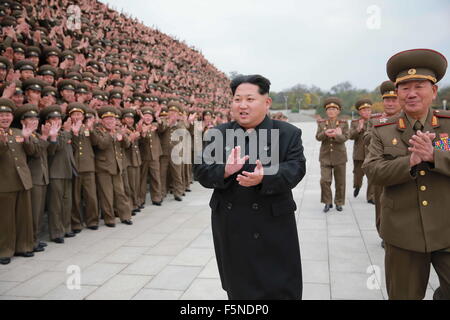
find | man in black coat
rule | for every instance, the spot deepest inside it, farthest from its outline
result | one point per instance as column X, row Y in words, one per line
column 253, row 221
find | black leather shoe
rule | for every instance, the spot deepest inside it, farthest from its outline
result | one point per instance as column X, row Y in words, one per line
column 42, row 244
column 93, row 228
column 137, row 210
column 5, row 261
column 356, row 192
column 371, row 202
column 38, row 249
column 437, row 295
column 58, row 240
column 156, row 203
column 110, row 225
column 178, row 198
column 69, row 235
column 76, row 231
column 128, row 222
column 141, row 206
column 133, row 213
column 339, row 208
column 327, row 208
column 188, row 190
column 24, row 254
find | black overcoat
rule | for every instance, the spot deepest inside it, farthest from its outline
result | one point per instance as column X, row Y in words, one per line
column 254, row 229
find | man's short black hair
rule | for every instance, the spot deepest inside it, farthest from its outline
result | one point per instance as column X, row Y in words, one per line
column 256, row 79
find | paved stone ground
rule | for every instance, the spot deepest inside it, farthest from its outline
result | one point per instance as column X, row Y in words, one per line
column 168, row 252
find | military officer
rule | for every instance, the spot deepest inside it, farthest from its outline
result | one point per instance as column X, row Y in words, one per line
column 61, row 166
column 357, row 131
column 16, row 221
column 84, row 188
column 409, row 156
column 108, row 167
column 391, row 108
column 151, row 151
column 168, row 165
column 29, row 115
column 333, row 133
column 132, row 158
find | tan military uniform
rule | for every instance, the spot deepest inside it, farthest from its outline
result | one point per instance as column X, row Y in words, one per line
column 377, row 190
column 359, row 154
column 168, row 166
column 38, row 165
column 151, row 151
column 133, row 165
column 415, row 224
column 108, row 168
column 59, row 196
column 16, row 221
column 333, row 159
column 84, row 186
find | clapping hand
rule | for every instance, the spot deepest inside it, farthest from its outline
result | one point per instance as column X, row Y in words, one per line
column 422, row 148
column 234, row 162
column 251, row 179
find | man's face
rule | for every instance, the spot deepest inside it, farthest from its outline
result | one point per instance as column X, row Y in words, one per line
column 415, row 97
column 332, row 113
column 128, row 121
column 33, row 95
column 365, row 113
column 35, row 60
column 5, row 119
column 249, row 107
column 48, row 78
column 30, row 123
column 148, row 118
column 26, row 74
column 53, row 61
column 68, row 95
column 3, row 73
column 18, row 56
column 55, row 120
column 76, row 116
column 391, row 106
column 173, row 114
column 18, row 99
column 109, row 123
column 207, row 118
column 70, row 63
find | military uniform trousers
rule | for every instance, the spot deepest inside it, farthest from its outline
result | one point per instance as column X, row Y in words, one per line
column 38, row 196
column 16, row 223
column 358, row 175
column 59, row 207
column 407, row 273
column 327, row 173
column 172, row 170
column 150, row 169
column 111, row 197
column 134, row 182
column 377, row 191
column 84, row 192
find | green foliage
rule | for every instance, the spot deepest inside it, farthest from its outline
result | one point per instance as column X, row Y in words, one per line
column 304, row 97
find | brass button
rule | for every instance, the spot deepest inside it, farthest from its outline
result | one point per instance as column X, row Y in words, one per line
column 422, row 172
column 18, row 167
column 81, row 148
column 81, row 153
column 331, row 150
column 425, row 203
column 423, row 188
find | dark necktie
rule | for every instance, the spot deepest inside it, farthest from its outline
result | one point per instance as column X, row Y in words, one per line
column 418, row 126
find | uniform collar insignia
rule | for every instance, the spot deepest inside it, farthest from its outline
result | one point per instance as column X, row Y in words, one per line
column 401, row 124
